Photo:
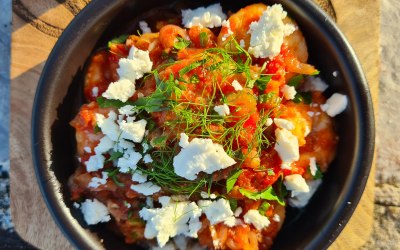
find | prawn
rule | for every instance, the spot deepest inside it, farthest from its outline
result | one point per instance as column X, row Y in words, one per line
column 169, row 35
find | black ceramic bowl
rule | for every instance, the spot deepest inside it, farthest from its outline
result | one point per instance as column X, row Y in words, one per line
column 59, row 96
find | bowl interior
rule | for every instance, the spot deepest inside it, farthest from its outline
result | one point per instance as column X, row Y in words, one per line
column 60, row 95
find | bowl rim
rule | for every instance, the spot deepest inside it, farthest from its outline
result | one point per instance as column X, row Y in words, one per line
column 48, row 182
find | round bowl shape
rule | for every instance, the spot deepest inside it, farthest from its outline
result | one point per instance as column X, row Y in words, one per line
column 59, row 96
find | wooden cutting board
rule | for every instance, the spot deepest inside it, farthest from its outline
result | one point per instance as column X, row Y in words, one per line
column 36, row 26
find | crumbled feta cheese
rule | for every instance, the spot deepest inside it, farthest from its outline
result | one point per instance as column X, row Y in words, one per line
column 133, row 130
column 87, row 150
column 287, row 147
column 147, row 158
column 149, row 202
column 175, row 218
column 301, row 199
column 312, row 83
column 120, row 90
column 104, row 145
column 128, row 161
column 205, row 195
column 289, row 92
column 269, row 122
column 218, row 211
column 238, row 211
column 94, row 212
column 95, row 91
column 135, row 65
column 296, row 183
column 127, row 110
column 313, row 166
column 283, row 123
column 108, row 125
column 146, row 147
column 276, row 218
column 144, row 27
column 335, row 105
column 95, row 182
column 222, row 110
column 226, row 24
column 139, row 177
column 200, row 155
column 123, row 144
column 76, row 205
column 236, row 85
column 210, row 16
column 267, row 34
column 242, row 43
column 95, row 163
column 181, row 242
column 147, row 188
column 254, row 217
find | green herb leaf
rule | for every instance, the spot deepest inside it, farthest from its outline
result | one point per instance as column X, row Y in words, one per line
column 111, row 171
column 305, row 97
column 296, row 81
column 230, row 182
column 115, row 155
column 118, row 40
column 109, row 103
column 203, row 39
column 315, row 73
column 96, row 129
column 262, row 82
column 190, row 67
column 263, row 208
column 159, row 141
column 194, row 79
column 117, row 182
column 233, row 204
column 266, row 194
column 318, row 173
column 270, row 172
column 181, row 43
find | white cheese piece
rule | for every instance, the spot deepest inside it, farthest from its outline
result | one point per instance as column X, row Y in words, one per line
column 269, row 122
column 301, row 199
column 168, row 246
column 87, row 150
column 267, row 34
column 313, row 166
column 128, row 161
column 200, row 155
column 95, row 91
column 226, row 24
column 335, row 105
column 127, row 110
column 108, row 125
column 123, row 144
column 218, row 211
column 149, row 202
column 283, row 123
column 133, row 130
column 238, row 211
column 173, row 219
column 76, row 205
column 135, row 65
column 289, row 92
column 139, row 177
column 104, row 145
column 146, row 147
column 222, row 110
column 287, row 147
column 95, row 163
column 254, row 217
column 94, row 212
column 210, row 16
column 312, row 83
column 95, row 182
column 236, row 85
column 147, row 158
column 181, row 242
column 205, row 195
column 276, row 218
column 296, row 183
column 120, row 90
column 144, row 27
column 147, row 188
column 242, row 43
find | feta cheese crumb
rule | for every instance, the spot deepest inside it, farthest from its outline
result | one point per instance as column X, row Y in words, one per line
column 287, row 147
column 120, row 90
column 301, row 199
column 267, row 34
column 236, row 85
column 135, row 65
column 335, row 105
column 313, row 166
column 94, row 212
column 147, row 188
column 205, row 195
column 296, row 183
column 95, row 163
column 76, row 205
column 108, row 125
column 238, row 211
column 210, row 17
column 289, row 92
column 95, row 91
column 95, row 182
column 283, row 123
column 87, row 150
column 226, row 24
column 144, row 27
column 104, row 145
column 312, row 83
column 173, row 219
column 147, row 158
column 242, row 43
column 139, row 177
column 133, row 130
column 200, row 155
column 276, row 218
column 127, row 110
column 218, row 211
column 254, row 217
column 269, row 122
column 128, row 161
column 222, row 110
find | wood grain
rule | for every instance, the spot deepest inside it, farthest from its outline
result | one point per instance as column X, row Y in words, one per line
column 32, row 41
